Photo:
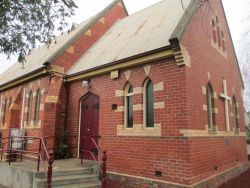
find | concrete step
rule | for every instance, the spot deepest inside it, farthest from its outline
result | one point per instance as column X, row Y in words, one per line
column 81, row 185
column 67, row 180
column 81, row 171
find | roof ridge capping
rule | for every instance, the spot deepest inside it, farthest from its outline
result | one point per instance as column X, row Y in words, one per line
column 85, row 28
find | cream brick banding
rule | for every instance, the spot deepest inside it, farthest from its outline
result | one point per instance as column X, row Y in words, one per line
column 208, row 75
column 88, row 33
column 158, row 87
column 51, row 99
column 139, row 130
column 42, row 91
column 215, row 110
column 119, row 93
column 71, row 49
column 137, row 107
column 226, row 99
column 127, row 74
column 204, row 107
column 214, row 128
column 120, row 109
column 215, row 95
column 147, row 69
column 41, row 107
column 114, row 74
column 207, row 133
column 102, row 20
column 182, row 56
column 159, row 105
column 137, row 90
column 204, row 90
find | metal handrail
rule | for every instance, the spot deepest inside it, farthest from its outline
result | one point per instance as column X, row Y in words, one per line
column 94, row 142
column 41, row 144
column 103, row 157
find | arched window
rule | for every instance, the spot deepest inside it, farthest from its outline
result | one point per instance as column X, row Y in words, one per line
column 235, row 114
column 4, row 111
column 214, row 32
column 129, row 106
column 29, row 108
column 149, row 103
column 37, row 106
column 210, row 107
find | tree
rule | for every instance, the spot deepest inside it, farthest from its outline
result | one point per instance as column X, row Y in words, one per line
column 244, row 59
column 245, row 67
column 23, row 23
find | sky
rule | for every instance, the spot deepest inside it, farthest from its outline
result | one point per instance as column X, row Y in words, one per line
column 236, row 12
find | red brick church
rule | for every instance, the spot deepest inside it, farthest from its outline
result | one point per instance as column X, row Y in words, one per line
column 159, row 90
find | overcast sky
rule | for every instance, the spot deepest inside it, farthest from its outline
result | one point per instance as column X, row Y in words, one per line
column 236, row 11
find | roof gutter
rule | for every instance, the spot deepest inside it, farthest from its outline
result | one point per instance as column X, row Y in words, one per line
column 154, row 55
column 32, row 75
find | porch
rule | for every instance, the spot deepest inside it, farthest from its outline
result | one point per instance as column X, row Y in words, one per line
column 68, row 173
column 41, row 170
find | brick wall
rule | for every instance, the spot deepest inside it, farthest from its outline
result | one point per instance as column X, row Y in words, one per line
column 53, row 97
column 78, row 48
column 14, row 111
column 139, row 155
column 185, row 152
column 210, row 63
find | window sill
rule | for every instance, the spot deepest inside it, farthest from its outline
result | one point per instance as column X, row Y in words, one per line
column 236, row 131
column 33, row 125
column 212, row 130
column 139, row 130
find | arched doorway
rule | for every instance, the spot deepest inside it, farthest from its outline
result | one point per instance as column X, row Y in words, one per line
column 89, row 127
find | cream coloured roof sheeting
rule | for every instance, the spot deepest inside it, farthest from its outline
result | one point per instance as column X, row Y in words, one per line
column 39, row 56
column 143, row 31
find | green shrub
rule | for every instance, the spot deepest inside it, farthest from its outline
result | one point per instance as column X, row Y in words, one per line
column 62, row 151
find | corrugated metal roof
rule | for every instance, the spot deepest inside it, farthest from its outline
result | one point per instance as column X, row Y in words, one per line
column 39, row 56
column 141, row 32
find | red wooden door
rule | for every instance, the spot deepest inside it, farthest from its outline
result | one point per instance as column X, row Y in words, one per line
column 89, row 125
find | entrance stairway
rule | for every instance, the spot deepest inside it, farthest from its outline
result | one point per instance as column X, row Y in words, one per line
column 87, row 177
column 66, row 173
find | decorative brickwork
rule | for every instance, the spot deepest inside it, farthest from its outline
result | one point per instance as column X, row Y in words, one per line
column 181, row 149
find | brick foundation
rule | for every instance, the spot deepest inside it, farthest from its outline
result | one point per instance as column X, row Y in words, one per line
column 116, row 180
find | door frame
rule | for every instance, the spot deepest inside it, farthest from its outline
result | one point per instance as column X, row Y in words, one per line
column 80, row 119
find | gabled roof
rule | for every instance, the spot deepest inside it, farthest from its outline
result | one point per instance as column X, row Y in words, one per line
column 38, row 57
column 144, row 31
column 43, row 54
